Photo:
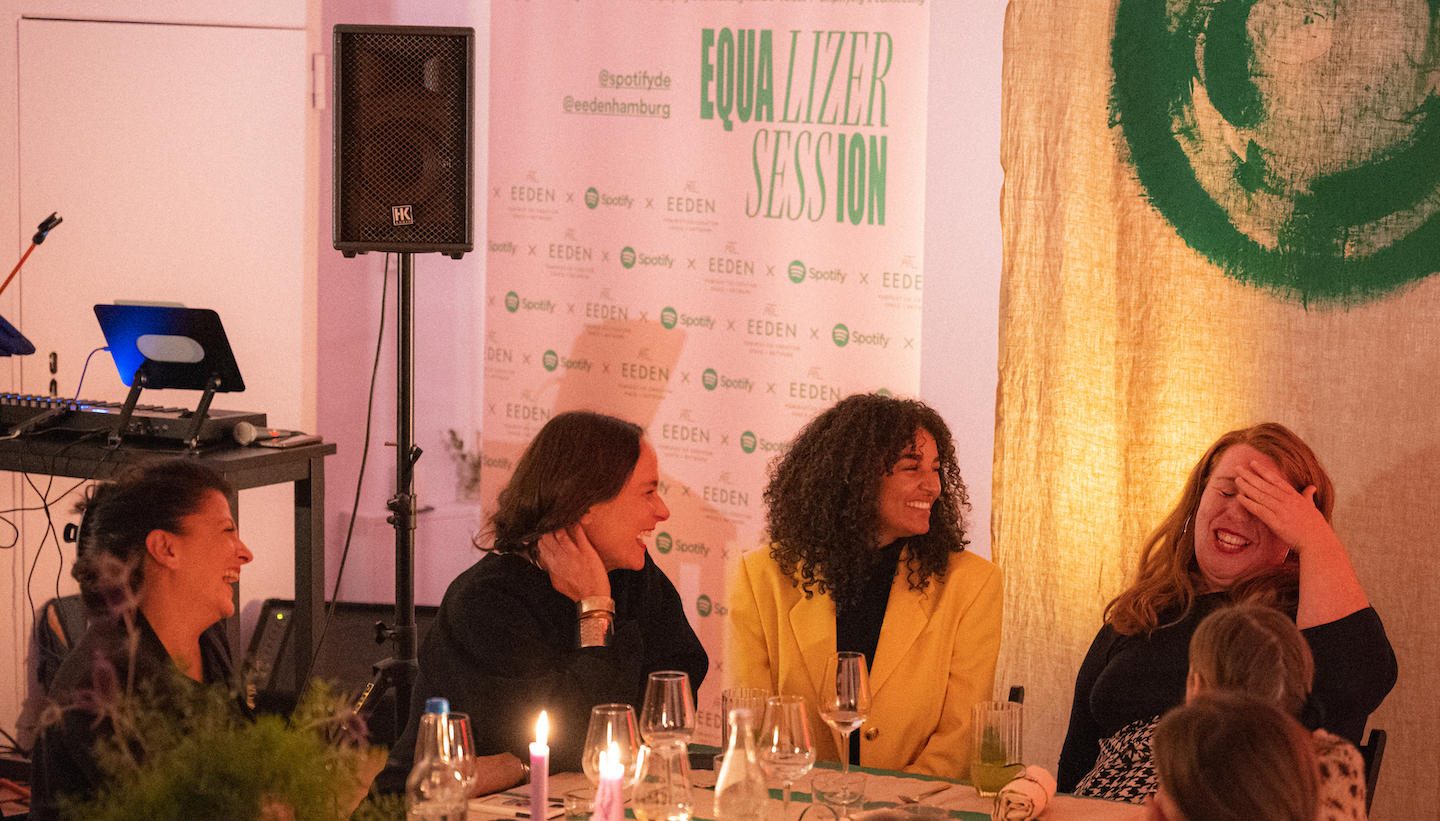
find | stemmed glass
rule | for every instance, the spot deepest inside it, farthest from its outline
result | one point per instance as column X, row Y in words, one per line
column 845, row 698
column 669, row 710
column 838, row 791
column 461, row 749
column 610, row 724
column 785, row 749
column 662, row 774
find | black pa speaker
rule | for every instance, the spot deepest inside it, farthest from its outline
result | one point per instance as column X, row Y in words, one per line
column 404, row 146
column 348, row 654
column 346, row 660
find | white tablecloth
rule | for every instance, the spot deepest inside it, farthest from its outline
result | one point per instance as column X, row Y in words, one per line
column 879, row 788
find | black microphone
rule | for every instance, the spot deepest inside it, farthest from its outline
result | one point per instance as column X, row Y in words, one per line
column 50, row 222
column 246, row 433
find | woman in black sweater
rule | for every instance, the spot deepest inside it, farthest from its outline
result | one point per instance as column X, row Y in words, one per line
column 564, row 611
column 1253, row 523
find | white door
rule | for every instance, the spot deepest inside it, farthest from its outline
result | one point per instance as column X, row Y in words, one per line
column 176, row 155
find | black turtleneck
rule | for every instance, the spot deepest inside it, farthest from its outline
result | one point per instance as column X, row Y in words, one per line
column 857, row 625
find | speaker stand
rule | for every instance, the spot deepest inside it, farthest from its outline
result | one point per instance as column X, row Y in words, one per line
column 400, row 671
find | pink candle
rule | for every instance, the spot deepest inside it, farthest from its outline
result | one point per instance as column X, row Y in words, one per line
column 609, row 793
column 540, row 770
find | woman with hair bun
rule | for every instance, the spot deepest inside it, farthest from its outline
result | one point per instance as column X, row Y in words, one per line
column 1253, row 649
column 867, row 553
column 159, row 554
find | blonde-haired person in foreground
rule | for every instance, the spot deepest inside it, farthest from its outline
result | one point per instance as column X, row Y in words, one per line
column 1253, row 649
column 1228, row 756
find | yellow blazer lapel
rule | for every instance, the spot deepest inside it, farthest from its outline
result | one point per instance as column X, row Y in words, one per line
column 812, row 622
column 905, row 618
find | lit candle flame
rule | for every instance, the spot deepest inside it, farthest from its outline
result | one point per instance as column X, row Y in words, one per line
column 610, row 764
column 542, row 729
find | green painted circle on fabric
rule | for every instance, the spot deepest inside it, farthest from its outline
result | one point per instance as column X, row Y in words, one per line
column 1291, row 152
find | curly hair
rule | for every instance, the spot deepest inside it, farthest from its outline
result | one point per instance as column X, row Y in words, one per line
column 1169, row 576
column 577, row 460
column 119, row 515
column 823, row 497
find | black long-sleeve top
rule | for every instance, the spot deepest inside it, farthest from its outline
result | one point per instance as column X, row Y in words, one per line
column 64, row 760
column 503, row 647
column 1127, row 678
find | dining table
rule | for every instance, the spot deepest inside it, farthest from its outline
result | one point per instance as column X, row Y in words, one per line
column 883, row 790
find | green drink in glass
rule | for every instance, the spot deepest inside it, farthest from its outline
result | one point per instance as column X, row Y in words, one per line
column 996, row 759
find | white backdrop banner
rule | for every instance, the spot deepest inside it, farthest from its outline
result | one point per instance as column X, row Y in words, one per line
column 707, row 218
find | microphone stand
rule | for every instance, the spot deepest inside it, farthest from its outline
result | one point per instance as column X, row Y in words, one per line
column 49, row 223
column 11, row 340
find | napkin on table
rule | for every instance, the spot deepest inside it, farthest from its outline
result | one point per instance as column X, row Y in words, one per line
column 1024, row 798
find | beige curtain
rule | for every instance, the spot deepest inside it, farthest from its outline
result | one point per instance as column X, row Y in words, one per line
column 1124, row 353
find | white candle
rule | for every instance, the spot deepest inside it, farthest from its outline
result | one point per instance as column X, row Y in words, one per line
column 609, row 794
column 540, row 769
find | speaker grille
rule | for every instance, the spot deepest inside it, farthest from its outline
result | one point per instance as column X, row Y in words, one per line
column 403, row 147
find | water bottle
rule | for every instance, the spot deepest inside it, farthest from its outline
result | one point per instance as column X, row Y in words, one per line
column 435, row 790
column 740, row 791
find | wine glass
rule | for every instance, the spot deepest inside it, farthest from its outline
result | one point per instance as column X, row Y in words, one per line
column 610, row 724
column 785, row 749
column 838, row 791
column 460, row 747
column 669, row 710
column 845, row 698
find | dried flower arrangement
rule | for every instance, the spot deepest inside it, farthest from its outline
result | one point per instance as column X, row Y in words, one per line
column 205, row 761
column 468, row 464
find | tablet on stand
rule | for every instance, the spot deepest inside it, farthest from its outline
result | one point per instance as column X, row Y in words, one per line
column 161, row 346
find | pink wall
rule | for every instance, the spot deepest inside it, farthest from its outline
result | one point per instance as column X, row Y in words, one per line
column 959, row 342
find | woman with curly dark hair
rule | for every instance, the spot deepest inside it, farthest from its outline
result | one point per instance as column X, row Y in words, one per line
column 867, row 553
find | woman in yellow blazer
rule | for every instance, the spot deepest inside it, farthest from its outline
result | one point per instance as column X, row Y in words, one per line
column 865, row 515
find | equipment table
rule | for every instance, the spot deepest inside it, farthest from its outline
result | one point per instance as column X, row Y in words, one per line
column 244, row 467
